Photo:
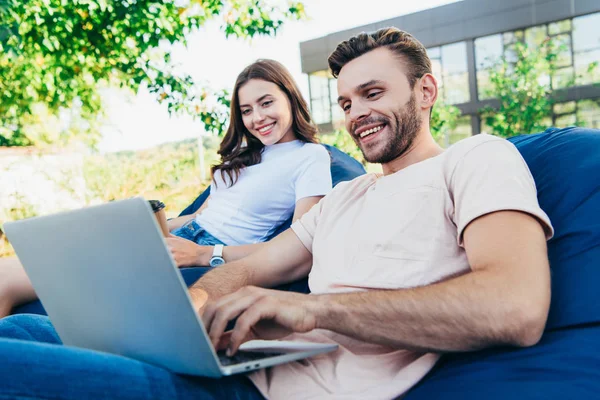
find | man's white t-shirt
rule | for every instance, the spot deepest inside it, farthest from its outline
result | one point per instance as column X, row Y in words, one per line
column 399, row 231
column 265, row 194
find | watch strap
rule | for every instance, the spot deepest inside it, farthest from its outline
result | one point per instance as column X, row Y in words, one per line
column 218, row 250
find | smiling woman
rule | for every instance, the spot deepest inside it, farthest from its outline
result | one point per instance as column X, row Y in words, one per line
column 270, row 144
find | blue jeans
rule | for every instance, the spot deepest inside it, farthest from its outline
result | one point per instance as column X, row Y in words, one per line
column 35, row 365
column 194, row 232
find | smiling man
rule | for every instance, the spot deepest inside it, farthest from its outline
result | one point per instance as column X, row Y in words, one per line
column 445, row 251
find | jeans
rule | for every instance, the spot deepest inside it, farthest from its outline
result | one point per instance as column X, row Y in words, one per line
column 35, row 365
column 194, row 232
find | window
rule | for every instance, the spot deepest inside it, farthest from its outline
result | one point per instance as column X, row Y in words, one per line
column 461, row 131
column 488, row 50
column 565, row 114
column 559, row 27
column 536, row 35
column 337, row 114
column 581, row 113
column 588, row 113
column 320, row 104
column 449, row 64
column 586, row 48
column 577, row 41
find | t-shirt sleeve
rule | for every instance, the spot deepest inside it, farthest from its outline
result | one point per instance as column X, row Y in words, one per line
column 306, row 226
column 314, row 177
column 494, row 177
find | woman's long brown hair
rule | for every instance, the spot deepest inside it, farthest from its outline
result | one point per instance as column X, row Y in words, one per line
column 234, row 155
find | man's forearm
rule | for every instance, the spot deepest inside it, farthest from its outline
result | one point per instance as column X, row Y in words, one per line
column 462, row 314
column 283, row 259
column 223, row 280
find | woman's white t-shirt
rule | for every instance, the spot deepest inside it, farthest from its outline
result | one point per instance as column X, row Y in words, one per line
column 265, row 194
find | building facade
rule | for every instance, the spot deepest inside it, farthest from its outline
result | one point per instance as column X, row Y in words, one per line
column 463, row 38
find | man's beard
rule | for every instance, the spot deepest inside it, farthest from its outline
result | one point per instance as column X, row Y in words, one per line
column 403, row 131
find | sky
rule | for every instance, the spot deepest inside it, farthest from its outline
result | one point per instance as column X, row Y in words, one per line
column 137, row 121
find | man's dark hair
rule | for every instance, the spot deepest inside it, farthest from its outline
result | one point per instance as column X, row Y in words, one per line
column 408, row 49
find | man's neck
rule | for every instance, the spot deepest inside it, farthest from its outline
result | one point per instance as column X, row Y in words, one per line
column 423, row 148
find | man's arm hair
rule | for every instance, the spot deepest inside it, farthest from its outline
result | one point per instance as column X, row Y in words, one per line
column 504, row 300
column 281, row 260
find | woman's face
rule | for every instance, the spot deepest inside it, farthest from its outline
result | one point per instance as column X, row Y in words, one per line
column 266, row 112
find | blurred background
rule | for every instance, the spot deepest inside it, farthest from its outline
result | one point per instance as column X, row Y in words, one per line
column 109, row 99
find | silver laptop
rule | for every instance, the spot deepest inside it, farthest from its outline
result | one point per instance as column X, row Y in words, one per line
column 109, row 283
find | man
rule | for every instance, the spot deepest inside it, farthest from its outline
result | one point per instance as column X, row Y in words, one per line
column 444, row 252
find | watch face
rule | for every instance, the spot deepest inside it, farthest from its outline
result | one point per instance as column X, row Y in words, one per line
column 216, row 261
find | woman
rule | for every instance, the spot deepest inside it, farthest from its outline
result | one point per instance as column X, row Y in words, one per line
column 271, row 169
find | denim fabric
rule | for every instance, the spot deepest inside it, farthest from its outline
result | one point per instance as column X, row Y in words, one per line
column 194, row 232
column 35, row 365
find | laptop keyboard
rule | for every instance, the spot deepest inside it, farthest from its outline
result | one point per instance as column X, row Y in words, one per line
column 244, row 356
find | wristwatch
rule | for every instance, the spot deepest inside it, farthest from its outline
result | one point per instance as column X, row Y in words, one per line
column 217, row 257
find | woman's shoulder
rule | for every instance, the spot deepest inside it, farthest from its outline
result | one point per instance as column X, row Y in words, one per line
column 314, row 151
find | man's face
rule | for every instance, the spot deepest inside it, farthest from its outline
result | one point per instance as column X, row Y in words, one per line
column 380, row 108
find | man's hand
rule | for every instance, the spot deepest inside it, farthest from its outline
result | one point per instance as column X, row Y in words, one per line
column 187, row 253
column 261, row 314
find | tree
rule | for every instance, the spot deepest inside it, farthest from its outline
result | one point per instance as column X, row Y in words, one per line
column 56, row 56
column 523, row 90
column 444, row 118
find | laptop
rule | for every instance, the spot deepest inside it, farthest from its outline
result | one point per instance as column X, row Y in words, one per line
column 108, row 282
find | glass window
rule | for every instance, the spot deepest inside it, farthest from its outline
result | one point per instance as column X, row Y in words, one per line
column 588, row 113
column 563, row 42
column 449, row 66
column 563, row 77
column 565, row 108
column 454, row 73
column 566, row 120
column 337, row 114
column 484, row 85
column 559, row 27
column 586, row 46
column 512, row 37
column 585, row 72
column 534, row 36
column 488, row 50
column 586, row 34
column 454, row 58
column 319, row 97
column 456, row 88
column 461, row 131
column 433, row 52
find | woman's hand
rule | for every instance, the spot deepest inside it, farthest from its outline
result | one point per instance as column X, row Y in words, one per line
column 187, row 253
column 261, row 314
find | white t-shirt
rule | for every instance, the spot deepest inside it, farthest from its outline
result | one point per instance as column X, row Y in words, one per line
column 398, row 231
column 265, row 194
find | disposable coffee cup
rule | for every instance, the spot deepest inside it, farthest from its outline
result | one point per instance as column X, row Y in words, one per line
column 159, row 212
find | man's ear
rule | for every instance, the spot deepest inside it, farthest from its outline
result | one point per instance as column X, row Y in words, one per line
column 428, row 91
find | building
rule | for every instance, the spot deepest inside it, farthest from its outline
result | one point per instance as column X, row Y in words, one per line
column 463, row 37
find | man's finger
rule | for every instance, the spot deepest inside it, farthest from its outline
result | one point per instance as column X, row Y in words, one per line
column 223, row 341
column 227, row 312
column 260, row 310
